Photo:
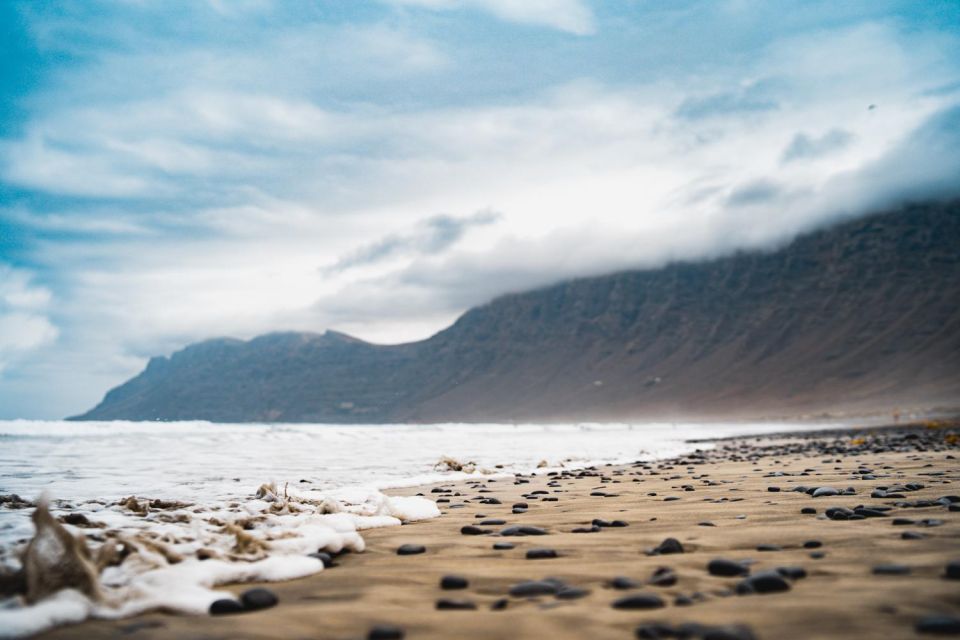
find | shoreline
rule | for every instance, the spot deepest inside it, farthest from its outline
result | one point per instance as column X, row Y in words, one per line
column 657, row 500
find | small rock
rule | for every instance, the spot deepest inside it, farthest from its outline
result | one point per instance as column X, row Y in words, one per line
column 766, row 582
column 726, row 568
column 386, row 632
column 454, row 582
column 471, row 530
column 541, row 554
column 812, row 544
column 258, row 598
column 447, row 604
column 410, row 549
column 523, row 531
column 623, row 582
column 668, row 546
column 822, row 492
column 891, row 570
column 503, row 546
column 639, row 601
column 225, row 606
column 952, row 570
column 938, row 624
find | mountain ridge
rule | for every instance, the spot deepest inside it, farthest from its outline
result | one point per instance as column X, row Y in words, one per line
column 862, row 315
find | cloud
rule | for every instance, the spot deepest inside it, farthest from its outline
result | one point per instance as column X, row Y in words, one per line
column 178, row 175
column 572, row 16
column 433, row 235
column 804, row 146
column 753, row 98
column 24, row 326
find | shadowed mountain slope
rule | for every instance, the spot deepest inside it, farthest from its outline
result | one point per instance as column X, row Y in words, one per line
column 863, row 316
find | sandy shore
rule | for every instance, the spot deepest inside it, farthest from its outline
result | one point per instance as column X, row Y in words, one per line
column 718, row 505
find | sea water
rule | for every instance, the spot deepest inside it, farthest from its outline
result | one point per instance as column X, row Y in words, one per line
column 324, row 487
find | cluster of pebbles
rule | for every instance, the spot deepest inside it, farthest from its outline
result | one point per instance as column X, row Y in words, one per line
column 884, row 498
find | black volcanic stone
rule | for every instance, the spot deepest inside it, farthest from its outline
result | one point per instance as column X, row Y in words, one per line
column 891, row 570
column 808, row 511
column 668, row 546
column 769, row 547
column 258, row 598
column 623, row 582
column 523, row 530
column 938, row 624
column 503, row 546
column 500, row 604
column 325, row 558
column 663, row 577
column 448, row 604
column 493, row 522
column 541, row 554
column 454, row 582
column 639, row 601
column 533, row 588
column 590, row 529
column 912, row 535
column 766, row 582
column 794, row 573
column 812, row 544
column 726, row 568
column 952, row 570
column 225, row 606
column 823, row 492
column 386, row 632
column 410, row 549
column 773, row 489
column 471, row 530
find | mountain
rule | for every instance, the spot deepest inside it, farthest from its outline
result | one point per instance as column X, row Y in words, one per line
column 862, row 316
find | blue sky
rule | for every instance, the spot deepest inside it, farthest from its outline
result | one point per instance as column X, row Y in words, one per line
column 172, row 171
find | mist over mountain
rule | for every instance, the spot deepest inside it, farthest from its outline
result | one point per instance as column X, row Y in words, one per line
column 861, row 316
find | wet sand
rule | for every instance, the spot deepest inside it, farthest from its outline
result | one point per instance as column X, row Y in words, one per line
column 728, row 487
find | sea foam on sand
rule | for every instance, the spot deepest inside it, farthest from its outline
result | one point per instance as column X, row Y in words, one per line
column 172, row 556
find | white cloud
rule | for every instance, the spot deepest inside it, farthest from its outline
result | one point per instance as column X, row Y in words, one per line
column 23, row 325
column 572, row 16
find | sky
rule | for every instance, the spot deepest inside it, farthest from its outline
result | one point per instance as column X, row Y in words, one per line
column 174, row 170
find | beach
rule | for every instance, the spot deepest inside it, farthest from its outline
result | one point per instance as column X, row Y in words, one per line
column 643, row 562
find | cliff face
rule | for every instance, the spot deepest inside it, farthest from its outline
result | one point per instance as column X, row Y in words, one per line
column 862, row 316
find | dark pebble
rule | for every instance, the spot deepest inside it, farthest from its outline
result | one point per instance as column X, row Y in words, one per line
column 769, row 547
column 812, row 544
column 623, row 582
column 470, row 530
column 541, row 554
column 726, row 568
column 325, row 558
column 493, row 522
column 523, row 531
column 912, row 535
column 454, row 582
column 572, row 593
column 446, row 604
column 258, row 598
column 500, row 604
column 952, row 570
column 808, row 511
column 822, row 492
column 766, row 582
column 938, row 624
column 663, row 577
column 773, row 489
column 385, row 632
column 225, row 606
column 668, row 546
column 683, row 601
column 639, row 601
column 817, row 555
column 654, row 631
column 410, row 549
column 891, row 570
column 503, row 546
column 794, row 573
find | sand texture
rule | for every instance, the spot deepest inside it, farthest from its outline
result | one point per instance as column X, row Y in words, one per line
column 717, row 504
